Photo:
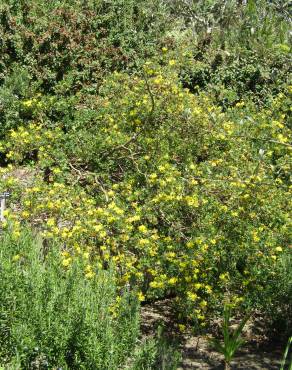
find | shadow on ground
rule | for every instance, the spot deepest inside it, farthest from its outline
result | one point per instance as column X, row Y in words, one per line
column 196, row 351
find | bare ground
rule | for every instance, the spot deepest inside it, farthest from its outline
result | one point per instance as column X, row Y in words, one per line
column 256, row 354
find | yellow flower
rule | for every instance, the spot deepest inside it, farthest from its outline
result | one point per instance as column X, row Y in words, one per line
column 25, row 214
column 141, row 296
column 66, row 262
column 153, row 176
column 27, row 103
column 158, row 80
column 97, row 228
column 144, row 242
column 89, row 274
column 172, row 281
column 192, row 296
column 224, row 277
column 16, row 258
column 190, row 244
column 10, row 154
column 88, row 268
column 56, row 170
column 156, row 284
column 50, row 205
column 16, row 234
column 143, row 229
column 50, row 222
column 208, row 289
column 170, row 255
column 181, row 327
column 282, row 138
column 192, row 201
column 86, row 255
column 102, row 234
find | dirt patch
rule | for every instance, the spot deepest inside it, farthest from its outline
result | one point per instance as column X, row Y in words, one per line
column 197, row 354
column 24, row 175
column 196, row 350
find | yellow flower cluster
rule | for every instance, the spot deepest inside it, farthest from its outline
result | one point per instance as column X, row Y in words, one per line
column 182, row 198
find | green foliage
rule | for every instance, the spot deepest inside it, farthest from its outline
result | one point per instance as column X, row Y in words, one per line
column 285, row 356
column 55, row 318
column 157, row 353
column 231, row 76
column 277, row 301
column 153, row 137
column 231, row 338
column 187, row 200
column 60, row 48
column 240, row 51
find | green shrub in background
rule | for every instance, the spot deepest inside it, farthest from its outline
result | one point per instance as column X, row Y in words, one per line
column 51, row 318
column 235, row 51
column 59, row 48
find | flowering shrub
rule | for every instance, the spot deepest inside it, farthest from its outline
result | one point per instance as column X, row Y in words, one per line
column 185, row 199
column 148, row 146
